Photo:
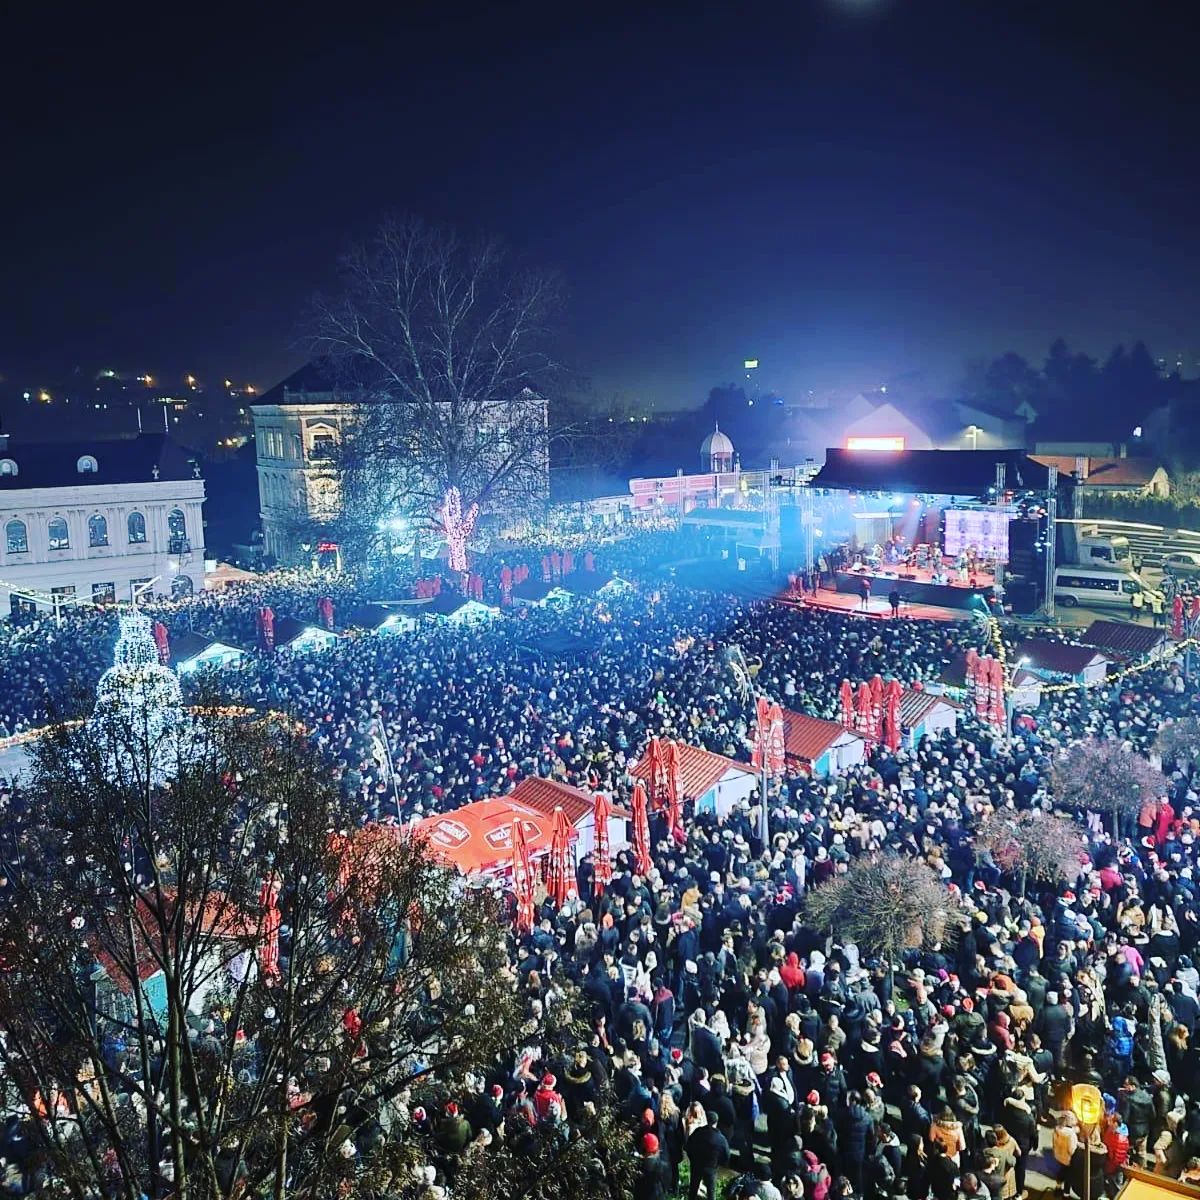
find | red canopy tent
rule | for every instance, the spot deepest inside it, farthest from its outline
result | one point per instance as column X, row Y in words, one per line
column 477, row 838
column 601, row 860
column 522, row 876
column 641, row 829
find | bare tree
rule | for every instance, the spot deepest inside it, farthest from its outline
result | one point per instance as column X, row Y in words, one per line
column 208, row 991
column 442, row 346
column 1033, row 844
column 1102, row 776
column 886, row 904
column 1179, row 742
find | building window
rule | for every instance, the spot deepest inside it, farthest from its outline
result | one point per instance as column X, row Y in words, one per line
column 59, row 536
column 64, row 593
column 97, row 531
column 20, row 608
column 104, row 593
column 135, row 586
column 136, row 524
column 8, row 466
column 87, row 465
column 177, row 539
column 16, row 537
column 181, row 586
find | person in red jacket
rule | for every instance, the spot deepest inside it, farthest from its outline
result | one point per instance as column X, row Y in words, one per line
column 792, row 973
column 546, row 1095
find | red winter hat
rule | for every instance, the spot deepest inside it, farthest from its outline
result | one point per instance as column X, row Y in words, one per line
column 451, row 1109
column 813, row 1097
column 968, row 1004
column 649, row 1143
column 418, row 1115
column 947, row 1010
column 873, row 1079
column 676, row 1055
column 548, row 1080
column 497, row 1091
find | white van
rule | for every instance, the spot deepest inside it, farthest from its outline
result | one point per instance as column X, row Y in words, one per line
column 1097, row 587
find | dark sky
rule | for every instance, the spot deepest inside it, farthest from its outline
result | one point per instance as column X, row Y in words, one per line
column 848, row 189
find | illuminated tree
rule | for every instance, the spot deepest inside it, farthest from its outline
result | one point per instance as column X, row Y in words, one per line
column 1102, row 776
column 1033, row 844
column 440, row 344
column 205, row 995
column 886, row 904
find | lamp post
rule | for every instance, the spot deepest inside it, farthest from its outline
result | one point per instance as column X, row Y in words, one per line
column 1088, row 1106
column 973, row 432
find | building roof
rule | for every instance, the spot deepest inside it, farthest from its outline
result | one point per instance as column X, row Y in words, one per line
column 124, row 460
column 1106, row 472
column 1064, row 658
column 532, row 589
column 585, row 583
column 545, row 795
column 916, row 706
column 372, row 616
column 807, row 738
column 1123, row 638
column 938, row 472
column 716, row 443
column 188, row 645
column 314, row 379
column 700, row 770
column 288, row 629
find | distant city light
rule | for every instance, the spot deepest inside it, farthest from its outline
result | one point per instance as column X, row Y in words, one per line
column 1137, row 431
column 190, row 380
column 751, row 364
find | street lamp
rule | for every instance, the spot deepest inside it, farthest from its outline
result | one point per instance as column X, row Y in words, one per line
column 1088, row 1106
column 973, row 432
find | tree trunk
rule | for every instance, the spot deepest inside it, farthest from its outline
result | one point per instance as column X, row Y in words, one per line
column 1024, row 875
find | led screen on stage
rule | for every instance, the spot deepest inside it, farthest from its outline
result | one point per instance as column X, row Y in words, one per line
column 983, row 528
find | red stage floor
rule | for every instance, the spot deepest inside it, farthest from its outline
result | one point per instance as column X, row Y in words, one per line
column 877, row 609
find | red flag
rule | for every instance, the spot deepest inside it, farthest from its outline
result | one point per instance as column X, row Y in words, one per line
column 846, row 695
column 560, row 854
column 601, row 858
column 522, row 878
column 641, row 829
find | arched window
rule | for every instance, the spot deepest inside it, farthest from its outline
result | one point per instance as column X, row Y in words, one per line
column 176, row 531
column 59, row 536
column 87, row 465
column 8, row 466
column 97, row 531
column 136, row 524
column 181, row 585
column 16, row 537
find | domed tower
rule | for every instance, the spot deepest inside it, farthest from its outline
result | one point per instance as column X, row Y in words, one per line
column 716, row 452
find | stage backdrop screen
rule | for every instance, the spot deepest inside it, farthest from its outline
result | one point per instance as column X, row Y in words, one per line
column 983, row 528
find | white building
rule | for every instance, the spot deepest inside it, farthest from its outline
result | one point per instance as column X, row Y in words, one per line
column 84, row 522
column 297, row 426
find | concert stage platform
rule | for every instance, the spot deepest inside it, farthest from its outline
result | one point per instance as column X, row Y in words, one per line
column 916, row 586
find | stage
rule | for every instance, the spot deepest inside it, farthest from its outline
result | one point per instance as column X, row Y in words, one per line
column 916, row 586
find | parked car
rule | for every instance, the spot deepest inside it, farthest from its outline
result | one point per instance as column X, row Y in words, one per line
column 1182, row 562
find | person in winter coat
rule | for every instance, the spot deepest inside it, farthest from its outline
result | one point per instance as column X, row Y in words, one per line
column 854, row 1134
column 707, row 1150
column 947, row 1130
column 653, row 1176
column 817, row 1181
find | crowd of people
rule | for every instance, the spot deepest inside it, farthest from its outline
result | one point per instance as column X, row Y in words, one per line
column 748, row 1053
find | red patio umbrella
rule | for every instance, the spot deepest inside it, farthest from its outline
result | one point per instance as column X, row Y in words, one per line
column 846, row 696
column 999, row 712
column 657, row 781
column 1177, row 617
column 775, row 748
column 971, row 670
column 983, row 683
column 266, row 627
column 863, row 705
column 601, row 858
column 522, row 876
column 877, row 707
column 674, row 801
column 762, row 732
column 641, row 829
column 893, row 694
column 560, row 859
column 268, row 900
column 325, row 612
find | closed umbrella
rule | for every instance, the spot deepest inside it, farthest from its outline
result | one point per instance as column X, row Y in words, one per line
column 983, row 683
column 654, row 756
column 560, row 854
column 999, row 712
column 268, row 899
column 162, row 639
column 971, row 669
column 846, row 696
column 893, row 693
column 877, row 707
column 601, row 858
column 863, row 704
column 762, row 732
column 641, row 830
column 674, row 801
column 522, row 878
column 775, row 748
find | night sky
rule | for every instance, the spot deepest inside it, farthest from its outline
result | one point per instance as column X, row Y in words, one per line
column 850, row 190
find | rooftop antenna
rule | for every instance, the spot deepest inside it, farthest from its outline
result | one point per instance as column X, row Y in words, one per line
column 138, row 409
column 166, row 425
